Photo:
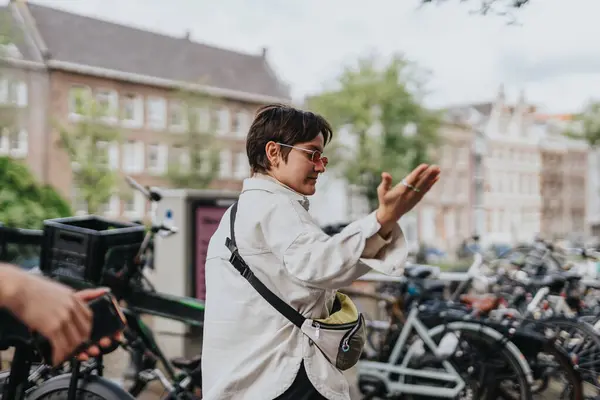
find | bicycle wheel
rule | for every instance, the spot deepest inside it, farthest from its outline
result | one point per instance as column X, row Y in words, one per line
column 580, row 342
column 91, row 388
column 548, row 367
column 481, row 357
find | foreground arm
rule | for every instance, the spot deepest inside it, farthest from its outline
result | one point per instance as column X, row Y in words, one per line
column 55, row 311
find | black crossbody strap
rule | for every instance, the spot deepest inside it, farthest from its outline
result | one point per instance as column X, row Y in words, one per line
column 238, row 262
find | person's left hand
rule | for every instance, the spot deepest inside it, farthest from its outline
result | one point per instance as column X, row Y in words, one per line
column 104, row 343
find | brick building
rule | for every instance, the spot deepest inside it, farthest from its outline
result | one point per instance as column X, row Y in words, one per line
column 137, row 75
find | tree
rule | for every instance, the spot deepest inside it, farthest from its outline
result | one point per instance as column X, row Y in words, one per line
column 197, row 143
column 380, row 106
column 8, row 111
column 586, row 125
column 24, row 202
column 87, row 143
column 504, row 8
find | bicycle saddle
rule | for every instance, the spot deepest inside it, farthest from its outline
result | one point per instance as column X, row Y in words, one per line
column 553, row 280
column 187, row 364
column 419, row 271
column 483, row 303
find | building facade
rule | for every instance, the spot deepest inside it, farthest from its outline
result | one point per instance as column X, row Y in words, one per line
column 139, row 79
column 564, row 181
column 509, row 170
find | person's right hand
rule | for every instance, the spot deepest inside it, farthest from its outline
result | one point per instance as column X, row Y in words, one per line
column 53, row 310
column 396, row 201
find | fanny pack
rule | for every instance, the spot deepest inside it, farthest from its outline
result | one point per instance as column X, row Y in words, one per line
column 340, row 337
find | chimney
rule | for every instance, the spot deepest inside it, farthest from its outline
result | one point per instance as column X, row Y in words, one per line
column 188, row 34
column 264, row 52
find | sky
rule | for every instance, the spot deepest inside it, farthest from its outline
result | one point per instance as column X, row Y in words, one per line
column 549, row 54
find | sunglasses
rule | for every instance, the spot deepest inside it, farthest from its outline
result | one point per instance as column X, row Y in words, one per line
column 315, row 155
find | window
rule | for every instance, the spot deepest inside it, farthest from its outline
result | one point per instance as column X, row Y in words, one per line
column 107, row 102
column 20, row 93
column 427, row 224
column 133, row 157
column 132, row 111
column 4, row 142
column 113, row 208
column 3, row 91
column 179, row 158
column 103, row 154
column 225, row 163
column 135, row 205
column 242, row 166
column 157, row 158
column 79, row 203
column 450, row 223
column 113, row 155
column 157, row 113
column 241, row 124
column 18, row 144
column 224, row 121
column 202, row 119
column 79, row 101
column 14, row 92
column 176, row 116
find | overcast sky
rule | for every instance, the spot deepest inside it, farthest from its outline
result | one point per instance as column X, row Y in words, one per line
column 552, row 54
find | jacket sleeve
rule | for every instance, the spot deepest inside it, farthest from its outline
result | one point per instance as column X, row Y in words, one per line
column 331, row 262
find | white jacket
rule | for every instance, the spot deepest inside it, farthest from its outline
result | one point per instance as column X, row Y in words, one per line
column 250, row 351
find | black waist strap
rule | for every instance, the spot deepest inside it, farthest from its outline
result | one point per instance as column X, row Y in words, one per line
column 238, row 262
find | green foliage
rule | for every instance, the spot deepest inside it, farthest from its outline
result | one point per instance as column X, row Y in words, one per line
column 86, row 142
column 24, row 203
column 198, row 141
column 381, row 107
column 586, row 125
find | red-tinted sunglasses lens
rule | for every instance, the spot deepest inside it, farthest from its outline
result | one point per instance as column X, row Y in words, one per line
column 320, row 158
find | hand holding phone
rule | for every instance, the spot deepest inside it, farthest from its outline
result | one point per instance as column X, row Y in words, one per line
column 107, row 320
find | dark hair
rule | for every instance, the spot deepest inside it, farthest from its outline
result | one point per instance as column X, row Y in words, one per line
column 283, row 124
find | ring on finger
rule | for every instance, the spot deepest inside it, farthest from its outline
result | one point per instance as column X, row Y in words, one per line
column 408, row 185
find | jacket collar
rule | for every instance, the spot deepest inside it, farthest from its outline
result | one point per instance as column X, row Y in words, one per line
column 272, row 185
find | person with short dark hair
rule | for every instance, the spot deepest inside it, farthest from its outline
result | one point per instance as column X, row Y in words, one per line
column 251, row 350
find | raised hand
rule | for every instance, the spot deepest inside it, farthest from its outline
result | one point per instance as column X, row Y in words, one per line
column 395, row 201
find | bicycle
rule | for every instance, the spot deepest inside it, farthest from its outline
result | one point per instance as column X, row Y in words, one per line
column 17, row 384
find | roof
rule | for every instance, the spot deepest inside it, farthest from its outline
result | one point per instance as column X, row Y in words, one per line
column 88, row 41
column 12, row 32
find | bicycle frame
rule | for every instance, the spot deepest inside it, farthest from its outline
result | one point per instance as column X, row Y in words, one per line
column 383, row 370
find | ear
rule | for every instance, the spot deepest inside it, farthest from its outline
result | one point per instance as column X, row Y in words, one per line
column 272, row 152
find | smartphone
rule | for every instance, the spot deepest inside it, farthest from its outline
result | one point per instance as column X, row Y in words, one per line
column 107, row 320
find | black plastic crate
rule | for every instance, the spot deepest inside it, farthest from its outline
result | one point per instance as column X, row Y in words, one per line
column 20, row 247
column 84, row 248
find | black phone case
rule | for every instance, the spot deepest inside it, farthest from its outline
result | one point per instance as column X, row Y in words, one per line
column 107, row 320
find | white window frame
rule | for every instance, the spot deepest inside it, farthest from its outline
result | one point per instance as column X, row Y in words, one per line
column 242, row 166
column 85, row 92
column 113, row 207
column 224, row 121
column 137, row 102
column 242, row 124
column 161, row 151
column 22, row 148
column 112, row 98
column 225, row 164
column 157, row 113
column 4, row 142
column 177, row 107
column 139, row 206
column 133, row 157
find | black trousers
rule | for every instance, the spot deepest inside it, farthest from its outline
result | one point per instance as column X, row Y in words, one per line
column 301, row 389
